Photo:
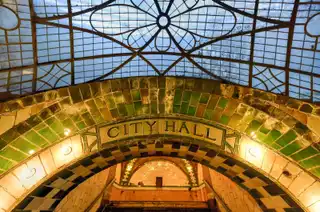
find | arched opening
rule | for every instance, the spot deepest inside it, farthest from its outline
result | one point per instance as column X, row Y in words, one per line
column 115, row 197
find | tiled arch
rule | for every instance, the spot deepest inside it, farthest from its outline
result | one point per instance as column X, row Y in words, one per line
column 286, row 125
column 268, row 194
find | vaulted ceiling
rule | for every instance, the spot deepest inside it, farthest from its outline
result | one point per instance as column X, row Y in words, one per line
column 273, row 46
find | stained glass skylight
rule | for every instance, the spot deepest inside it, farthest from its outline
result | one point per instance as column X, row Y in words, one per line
column 269, row 45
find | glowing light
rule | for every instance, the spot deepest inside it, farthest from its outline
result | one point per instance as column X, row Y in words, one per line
column 67, row 132
column 315, row 207
column 31, row 152
column 129, row 167
column 66, row 150
column 253, row 135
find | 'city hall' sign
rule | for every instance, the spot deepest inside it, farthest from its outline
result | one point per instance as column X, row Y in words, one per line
column 162, row 127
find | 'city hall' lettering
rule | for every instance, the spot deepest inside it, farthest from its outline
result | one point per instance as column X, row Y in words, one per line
column 161, row 127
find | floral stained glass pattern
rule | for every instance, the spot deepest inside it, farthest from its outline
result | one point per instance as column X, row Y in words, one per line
column 272, row 46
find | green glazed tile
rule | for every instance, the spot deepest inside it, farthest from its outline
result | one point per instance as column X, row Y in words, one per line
column 122, row 110
column 100, row 102
column 85, row 91
column 286, row 138
column 81, row 125
column 55, row 125
column 5, row 164
column 110, row 101
column 127, row 96
column 177, row 97
column 33, row 137
column 316, row 171
column 235, row 119
column 34, row 120
column 162, row 95
column 118, row 97
column 136, row 95
column 276, row 146
column 24, row 145
column 2, row 144
column 91, row 104
column 195, row 96
column 305, row 153
column 223, row 102
column 9, row 152
column 68, row 123
column 176, row 108
column 254, row 125
column 213, row 101
column 76, row 118
column 75, row 94
column 184, row 108
column 48, row 134
column 311, row 162
column 39, row 126
column 224, row 119
column 264, row 130
column 261, row 136
column 186, row 96
column 138, row 106
column 204, row 98
column 192, row 111
column 291, row 148
column 22, row 128
column 114, row 114
column 50, row 121
column 115, row 85
column 130, row 109
column 10, row 135
column 88, row 119
column 208, row 114
column 61, row 116
column 275, row 134
column 146, row 109
column 98, row 119
column 154, row 107
column 95, row 89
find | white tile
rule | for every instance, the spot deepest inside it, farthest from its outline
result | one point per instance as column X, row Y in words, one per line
column 268, row 161
column 11, row 184
column 311, row 195
column 6, row 200
column 315, row 207
column 300, row 183
column 294, row 171
column 278, row 166
column 30, row 173
column 48, row 162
